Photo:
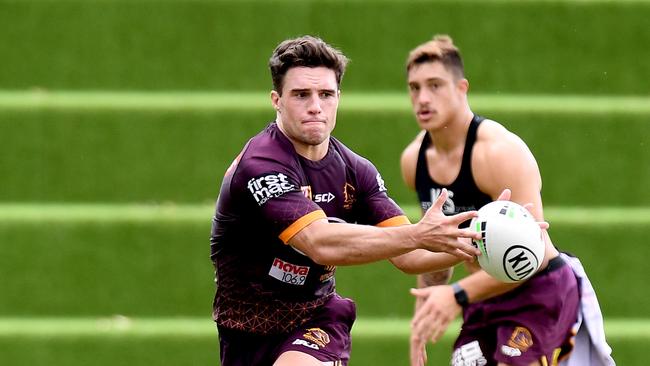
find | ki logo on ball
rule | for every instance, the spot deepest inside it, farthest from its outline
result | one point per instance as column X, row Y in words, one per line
column 519, row 262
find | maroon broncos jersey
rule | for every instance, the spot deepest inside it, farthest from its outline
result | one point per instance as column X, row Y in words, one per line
column 269, row 194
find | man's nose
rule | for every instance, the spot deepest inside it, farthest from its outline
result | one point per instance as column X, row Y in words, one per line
column 424, row 97
column 314, row 105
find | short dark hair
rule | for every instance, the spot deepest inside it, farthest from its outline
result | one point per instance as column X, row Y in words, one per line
column 305, row 51
column 441, row 48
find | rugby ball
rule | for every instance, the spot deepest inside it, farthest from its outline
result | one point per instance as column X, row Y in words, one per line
column 511, row 244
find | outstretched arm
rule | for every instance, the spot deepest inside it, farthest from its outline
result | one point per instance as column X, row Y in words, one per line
column 345, row 244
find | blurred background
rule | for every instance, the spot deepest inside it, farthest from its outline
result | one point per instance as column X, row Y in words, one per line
column 118, row 119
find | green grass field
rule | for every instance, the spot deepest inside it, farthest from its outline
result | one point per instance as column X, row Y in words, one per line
column 118, row 147
column 119, row 117
column 93, row 238
column 152, row 260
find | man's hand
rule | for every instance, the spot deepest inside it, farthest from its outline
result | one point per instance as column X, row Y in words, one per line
column 439, row 233
column 437, row 310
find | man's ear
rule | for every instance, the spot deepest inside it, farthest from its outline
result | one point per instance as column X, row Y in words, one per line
column 463, row 85
column 275, row 100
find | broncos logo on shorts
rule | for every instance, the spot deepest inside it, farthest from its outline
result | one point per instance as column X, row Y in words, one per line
column 318, row 336
column 521, row 339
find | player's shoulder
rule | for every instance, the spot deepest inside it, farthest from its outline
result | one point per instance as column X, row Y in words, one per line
column 501, row 159
column 411, row 151
column 500, row 154
column 267, row 150
column 271, row 143
column 409, row 159
column 490, row 130
column 494, row 140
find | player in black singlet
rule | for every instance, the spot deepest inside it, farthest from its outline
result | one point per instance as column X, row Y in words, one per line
column 475, row 159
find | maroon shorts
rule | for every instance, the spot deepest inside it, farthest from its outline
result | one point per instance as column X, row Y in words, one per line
column 523, row 326
column 326, row 336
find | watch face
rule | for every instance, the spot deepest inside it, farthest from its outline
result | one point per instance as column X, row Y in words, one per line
column 460, row 295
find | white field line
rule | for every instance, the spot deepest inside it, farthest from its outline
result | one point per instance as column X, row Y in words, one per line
column 21, row 212
column 350, row 101
column 122, row 326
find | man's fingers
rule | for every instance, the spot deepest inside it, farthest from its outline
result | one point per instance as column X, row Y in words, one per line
column 423, row 328
column 424, row 354
column 442, row 197
column 466, row 247
column 422, row 319
column 418, row 351
column 419, row 292
column 542, row 224
column 458, row 248
column 505, row 195
column 462, row 217
column 463, row 255
column 417, row 321
column 437, row 335
column 468, row 233
column 440, row 330
column 430, row 328
column 468, row 259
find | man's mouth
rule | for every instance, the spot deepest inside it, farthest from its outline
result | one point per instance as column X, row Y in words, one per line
column 425, row 113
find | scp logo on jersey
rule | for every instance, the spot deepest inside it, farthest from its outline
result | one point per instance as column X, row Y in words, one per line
column 269, row 186
column 324, row 197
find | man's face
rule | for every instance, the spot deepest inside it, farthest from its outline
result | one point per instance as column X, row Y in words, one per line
column 308, row 105
column 436, row 95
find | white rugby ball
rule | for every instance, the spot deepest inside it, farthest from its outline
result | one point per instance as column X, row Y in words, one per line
column 512, row 248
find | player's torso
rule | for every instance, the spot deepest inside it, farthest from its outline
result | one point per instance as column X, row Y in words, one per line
column 454, row 175
column 330, row 184
column 254, row 262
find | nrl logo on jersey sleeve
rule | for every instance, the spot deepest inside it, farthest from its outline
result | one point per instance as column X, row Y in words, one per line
column 380, row 183
column 269, row 186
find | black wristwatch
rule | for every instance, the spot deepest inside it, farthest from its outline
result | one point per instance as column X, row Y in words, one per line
column 460, row 295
